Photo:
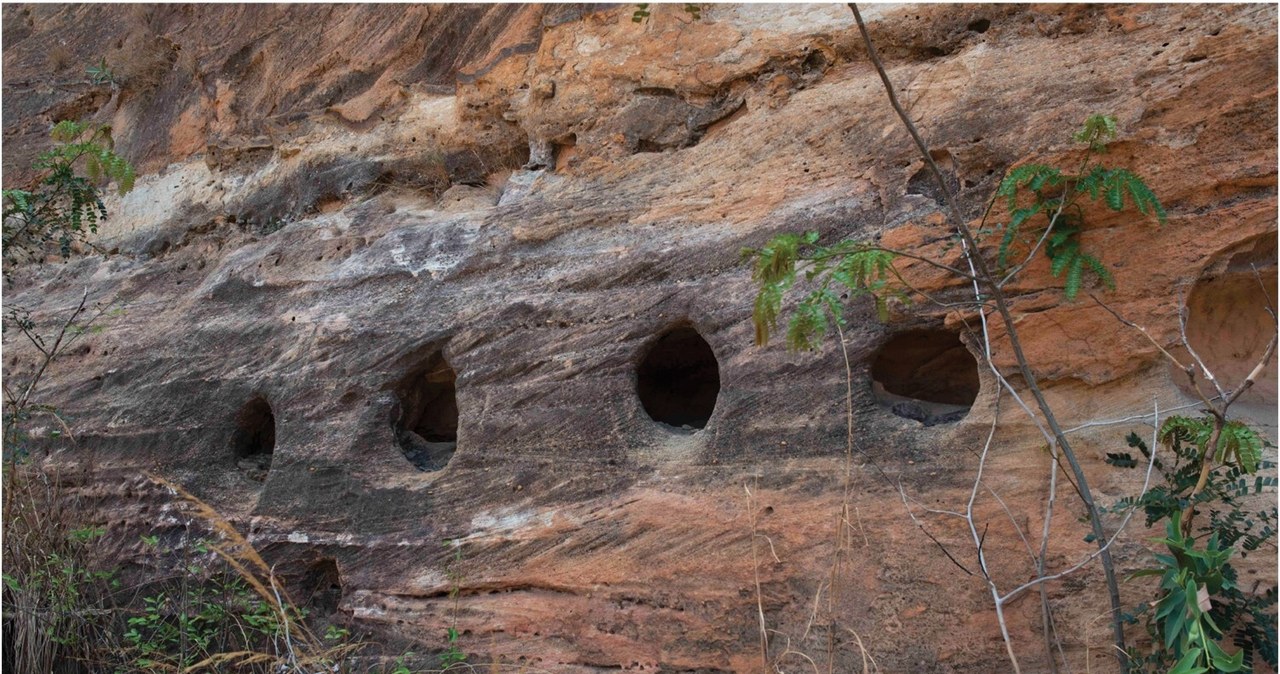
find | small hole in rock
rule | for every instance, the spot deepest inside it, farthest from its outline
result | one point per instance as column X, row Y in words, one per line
column 979, row 26
column 926, row 375
column 254, row 439
column 678, row 379
column 324, row 584
column 426, row 420
column 815, row 61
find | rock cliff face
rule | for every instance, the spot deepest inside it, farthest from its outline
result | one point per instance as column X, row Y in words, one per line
column 353, row 222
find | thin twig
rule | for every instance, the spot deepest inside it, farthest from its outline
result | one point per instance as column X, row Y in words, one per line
column 1146, row 483
column 755, row 570
column 925, row 531
column 833, row 597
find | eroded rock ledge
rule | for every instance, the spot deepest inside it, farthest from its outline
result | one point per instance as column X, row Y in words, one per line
column 337, row 202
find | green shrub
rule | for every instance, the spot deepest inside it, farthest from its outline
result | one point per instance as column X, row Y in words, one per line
column 62, row 207
column 1200, row 601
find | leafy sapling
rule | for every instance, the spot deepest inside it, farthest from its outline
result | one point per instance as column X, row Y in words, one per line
column 1033, row 190
column 1199, row 601
column 63, row 207
column 1046, row 210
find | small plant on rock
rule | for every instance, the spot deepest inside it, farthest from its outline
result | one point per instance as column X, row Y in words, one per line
column 62, row 207
column 453, row 654
column 1200, row 601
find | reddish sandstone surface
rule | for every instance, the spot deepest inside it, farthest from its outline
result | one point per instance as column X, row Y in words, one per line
column 334, row 198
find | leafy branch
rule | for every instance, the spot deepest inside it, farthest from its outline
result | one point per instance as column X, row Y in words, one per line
column 1057, row 197
column 62, row 207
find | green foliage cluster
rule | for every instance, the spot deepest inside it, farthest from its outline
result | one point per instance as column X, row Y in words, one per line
column 100, row 73
column 1056, row 198
column 842, row 271
column 839, row 273
column 204, row 615
column 1200, row 600
column 63, row 206
column 57, row 594
column 1189, row 577
column 201, row 608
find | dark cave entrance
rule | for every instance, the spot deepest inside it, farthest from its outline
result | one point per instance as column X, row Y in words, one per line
column 678, row 379
column 254, row 439
column 324, row 584
column 426, row 420
column 927, row 376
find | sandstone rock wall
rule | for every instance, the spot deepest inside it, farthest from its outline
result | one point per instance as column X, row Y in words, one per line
column 335, row 200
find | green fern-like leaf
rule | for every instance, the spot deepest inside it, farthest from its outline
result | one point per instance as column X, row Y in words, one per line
column 1097, row 131
column 17, row 200
column 1240, row 443
column 1195, row 432
column 1143, row 198
column 1115, row 196
column 809, row 322
column 775, row 271
column 863, row 271
column 1017, row 217
column 1063, row 260
column 1075, row 276
column 764, row 315
column 847, row 269
column 1100, row 270
column 1121, row 459
column 67, row 131
column 93, row 167
column 1092, row 182
column 1025, row 175
column 1006, row 244
column 124, row 176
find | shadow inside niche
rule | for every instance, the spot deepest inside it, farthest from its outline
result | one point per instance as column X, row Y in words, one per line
column 254, row 440
column 926, row 376
column 324, row 584
column 678, row 380
column 426, row 420
column 1229, row 324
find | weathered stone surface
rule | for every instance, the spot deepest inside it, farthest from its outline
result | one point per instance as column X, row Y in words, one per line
column 333, row 195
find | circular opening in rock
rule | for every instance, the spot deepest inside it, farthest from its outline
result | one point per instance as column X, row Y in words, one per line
column 1229, row 327
column 254, row 439
column 426, row 420
column 678, row 379
column 927, row 376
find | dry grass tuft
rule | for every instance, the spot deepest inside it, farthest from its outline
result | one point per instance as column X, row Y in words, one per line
column 299, row 650
column 57, row 595
column 143, row 61
column 60, row 58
